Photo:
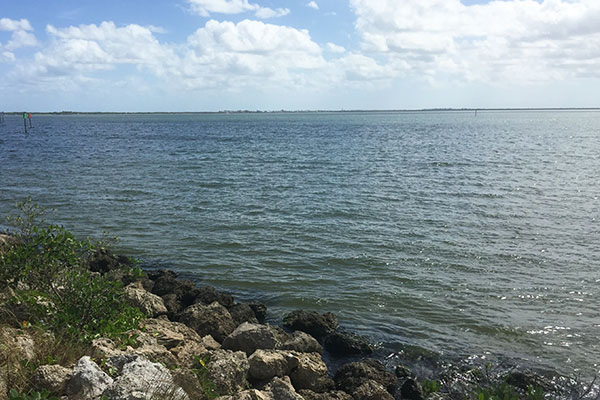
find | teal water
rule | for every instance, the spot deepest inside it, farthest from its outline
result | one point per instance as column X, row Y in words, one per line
column 458, row 233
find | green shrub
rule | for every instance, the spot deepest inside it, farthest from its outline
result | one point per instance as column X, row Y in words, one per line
column 43, row 395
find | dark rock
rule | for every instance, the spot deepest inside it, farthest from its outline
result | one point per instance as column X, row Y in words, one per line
column 524, row 379
column 301, row 342
column 147, row 283
column 350, row 376
column 208, row 295
column 242, row 313
column 411, row 390
column 333, row 395
column 174, row 307
column 343, row 344
column 260, row 310
column 250, row 337
column 402, row 372
column 213, row 319
column 168, row 284
column 155, row 274
column 104, row 261
column 311, row 322
column 371, row 390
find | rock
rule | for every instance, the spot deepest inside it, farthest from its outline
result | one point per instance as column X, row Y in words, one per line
column 311, row 322
column 333, row 395
column 174, row 307
column 371, row 390
column 148, row 348
column 188, row 380
column 88, row 380
column 213, row 320
column 3, row 386
column 249, row 337
column 282, row 389
column 311, row 373
column 301, row 342
column 150, row 304
column 170, row 334
column 242, row 313
column 52, row 378
column 154, row 275
column 228, row 371
column 210, row 343
column 252, row 394
column 186, row 353
column 141, row 379
column 525, row 379
column 260, row 310
column 21, row 343
column 208, row 295
column 344, row 344
column 350, row 376
column 168, row 283
column 103, row 261
column 267, row 364
column 411, row 390
column 104, row 348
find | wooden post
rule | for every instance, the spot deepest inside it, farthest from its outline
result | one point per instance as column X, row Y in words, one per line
column 29, row 116
column 25, row 121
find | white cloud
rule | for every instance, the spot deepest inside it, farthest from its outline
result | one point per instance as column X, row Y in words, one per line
column 313, row 4
column 7, row 24
column 21, row 39
column 334, row 48
column 499, row 41
column 207, row 7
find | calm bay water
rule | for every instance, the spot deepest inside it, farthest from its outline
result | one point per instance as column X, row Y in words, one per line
column 458, row 233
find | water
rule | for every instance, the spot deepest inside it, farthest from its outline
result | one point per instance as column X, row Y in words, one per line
column 457, row 233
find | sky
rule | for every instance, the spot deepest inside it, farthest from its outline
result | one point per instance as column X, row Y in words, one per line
column 211, row 55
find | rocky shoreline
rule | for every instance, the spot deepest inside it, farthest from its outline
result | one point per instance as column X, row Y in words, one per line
column 197, row 342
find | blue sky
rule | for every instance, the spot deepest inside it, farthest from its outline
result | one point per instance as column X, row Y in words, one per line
column 195, row 55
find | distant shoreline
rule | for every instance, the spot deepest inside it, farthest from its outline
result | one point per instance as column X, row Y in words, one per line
column 407, row 111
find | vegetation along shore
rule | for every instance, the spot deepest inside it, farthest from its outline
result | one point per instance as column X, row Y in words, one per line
column 79, row 322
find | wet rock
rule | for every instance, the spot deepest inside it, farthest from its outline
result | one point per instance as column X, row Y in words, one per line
column 142, row 379
column 311, row 322
column 213, row 319
column 333, row 395
column 228, row 371
column 242, row 313
column 167, row 284
column 103, row 261
column 311, row 373
column 371, row 390
column 150, row 304
column 249, row 337
column 88, row 380
column 350, row 376
column 260, row 310
column 52, row 378
column 411, row 390
column 267, row 364
column 282, row 389
column 524, row 379
column 301, row 342
column 208, row 295
column 344, row 344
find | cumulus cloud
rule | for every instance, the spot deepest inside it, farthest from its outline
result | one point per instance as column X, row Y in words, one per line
column 334, row 48
column 510, row 41
column 313, row 4
column 7, row 24
column 21, row 37
column 207, row 7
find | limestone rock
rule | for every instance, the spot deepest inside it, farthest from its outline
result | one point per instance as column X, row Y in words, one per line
column 371, row 390
column 228, row 371
column 282, row 389
column 141, row 380
column 311, row 373
column 213, row 319
column 21, row 343
column 52, row 378
column 252, row 394
column 260, row 310
column 346, row 344
column 208, row 295
column 301, row 342
column 249, row 337
column 350, row 376
column 242, row 313
column 170, row 334
column 188, row 380
column 267, row 364
column 104, row 348
column 210, row 343
column 333, row 395
column 311, row 322
column 88, row 380
column 150, row 304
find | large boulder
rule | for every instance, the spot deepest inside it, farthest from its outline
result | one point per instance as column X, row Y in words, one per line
column 242, row 313
column 227, row 370
column 250, row 337
column 411, row 390
column 141, row 379
column 208, row 295
column 103, row 261
column 267, row 364
column 333, row 395
column 150, row 304
column 88, row 381
column 347, row 344
column 52, row 378
column 213, row 319
column 371, row 390
column 350, row 376
column 170, row 334
column 148, row 348
column 311, row 373
column 282, row 389
column 311, row 322
column 260, row 310
column 301, row 342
